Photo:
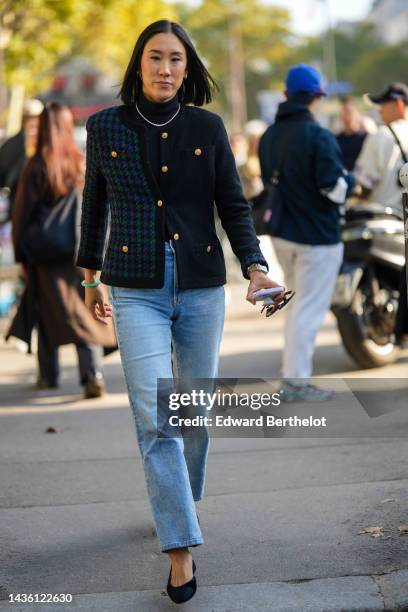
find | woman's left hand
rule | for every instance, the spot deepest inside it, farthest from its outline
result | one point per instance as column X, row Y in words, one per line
column 260, row 280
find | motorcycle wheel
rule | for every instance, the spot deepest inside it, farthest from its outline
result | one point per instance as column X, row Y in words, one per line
column 367, row 327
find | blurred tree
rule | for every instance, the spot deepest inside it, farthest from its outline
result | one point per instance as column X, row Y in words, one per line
column 37, row 35
column 33, row 33
column 221, row 27
column 350, row 45
column 353, row 44
column 362, row 58
column 379, row 67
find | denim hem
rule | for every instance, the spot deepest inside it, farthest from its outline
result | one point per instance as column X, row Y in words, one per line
column 182, row 544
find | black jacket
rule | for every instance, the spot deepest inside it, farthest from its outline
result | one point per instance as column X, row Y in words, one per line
column 312, row 170
column 198, row 169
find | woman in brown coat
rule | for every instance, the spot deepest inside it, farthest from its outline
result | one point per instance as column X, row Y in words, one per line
column 53, row 297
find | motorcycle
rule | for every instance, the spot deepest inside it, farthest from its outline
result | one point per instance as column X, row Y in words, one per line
column 365, row 299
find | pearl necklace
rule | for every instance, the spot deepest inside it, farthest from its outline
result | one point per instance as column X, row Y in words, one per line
column 159, row 124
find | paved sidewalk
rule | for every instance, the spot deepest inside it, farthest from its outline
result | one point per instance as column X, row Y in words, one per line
column 350, row 593
column 281, row 516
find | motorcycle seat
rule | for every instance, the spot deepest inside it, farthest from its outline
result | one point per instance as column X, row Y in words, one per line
column 371, row 210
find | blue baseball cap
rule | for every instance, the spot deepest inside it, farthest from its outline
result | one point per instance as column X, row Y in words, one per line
column 304, row 79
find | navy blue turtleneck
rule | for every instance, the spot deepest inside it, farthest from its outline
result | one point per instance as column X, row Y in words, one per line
column 157, row 112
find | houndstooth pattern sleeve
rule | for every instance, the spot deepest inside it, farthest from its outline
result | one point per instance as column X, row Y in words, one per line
column 94, row 207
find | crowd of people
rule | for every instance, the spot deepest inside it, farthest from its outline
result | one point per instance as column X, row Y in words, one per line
column 320, row 170
column 40, row 165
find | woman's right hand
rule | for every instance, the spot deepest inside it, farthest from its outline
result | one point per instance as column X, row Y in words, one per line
column 97, row 303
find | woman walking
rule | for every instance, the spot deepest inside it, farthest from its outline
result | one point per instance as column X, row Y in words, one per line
column 52, row 300
column 158, row 163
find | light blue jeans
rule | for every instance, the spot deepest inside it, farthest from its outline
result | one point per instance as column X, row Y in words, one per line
column 161, row 331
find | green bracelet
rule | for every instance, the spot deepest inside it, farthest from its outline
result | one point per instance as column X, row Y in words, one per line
column 93, row 284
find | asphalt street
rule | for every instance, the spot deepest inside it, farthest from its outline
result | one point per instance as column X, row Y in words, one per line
column 281, row 516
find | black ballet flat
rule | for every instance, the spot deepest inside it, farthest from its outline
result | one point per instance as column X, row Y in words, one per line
column 184, row 592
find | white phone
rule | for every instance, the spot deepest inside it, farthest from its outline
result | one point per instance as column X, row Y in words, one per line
column 272, row 292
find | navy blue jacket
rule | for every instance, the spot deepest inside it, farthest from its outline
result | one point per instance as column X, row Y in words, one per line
column 197, row 170
column 312, row 168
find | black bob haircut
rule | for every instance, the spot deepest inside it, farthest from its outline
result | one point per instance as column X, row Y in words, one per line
column 198, row 88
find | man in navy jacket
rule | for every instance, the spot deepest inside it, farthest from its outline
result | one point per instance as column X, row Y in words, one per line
column 313, row 185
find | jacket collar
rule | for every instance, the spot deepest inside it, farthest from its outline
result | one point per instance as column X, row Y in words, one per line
column 293, row 110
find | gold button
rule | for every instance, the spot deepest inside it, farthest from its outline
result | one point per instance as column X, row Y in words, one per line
column 164, row 135
column 209, row 248
column 159, row 202
column 125, row 248
column 114, row 154
column 164, row 169
column 197, row 152
column 176, row 236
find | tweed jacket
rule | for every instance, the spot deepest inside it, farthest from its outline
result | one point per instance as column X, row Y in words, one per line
column 198, row 169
